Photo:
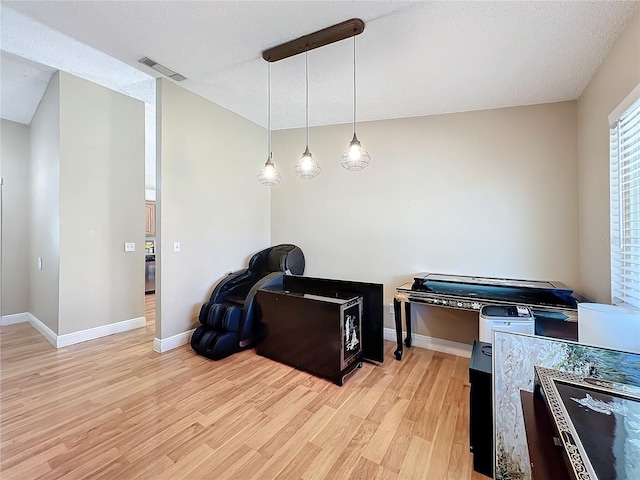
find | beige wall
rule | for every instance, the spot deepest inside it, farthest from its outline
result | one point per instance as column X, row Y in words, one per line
column 208, row 199
column 614, row 80
column 490, row 193
column 101, row 205
column 14, row 168
column 44, row 218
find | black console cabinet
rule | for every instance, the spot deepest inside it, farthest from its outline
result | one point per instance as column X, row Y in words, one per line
column 319, row 334
column 481, row 408
column 372, row 306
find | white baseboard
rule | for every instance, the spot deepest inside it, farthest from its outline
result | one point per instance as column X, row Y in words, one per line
column 101, row 331
column 432, row 343
column 45, row 331
column 14, row 318
column 165, row 344
column 67, row 339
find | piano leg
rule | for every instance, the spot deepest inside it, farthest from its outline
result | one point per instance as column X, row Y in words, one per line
column 407, row 319
column 398, row 320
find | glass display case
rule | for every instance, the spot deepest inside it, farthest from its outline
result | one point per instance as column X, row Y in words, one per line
column 596, row 421
column 592, row 407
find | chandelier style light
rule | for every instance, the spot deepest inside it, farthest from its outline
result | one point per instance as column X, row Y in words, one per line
column 355, row 158
column 307, row 168
column 269, row 176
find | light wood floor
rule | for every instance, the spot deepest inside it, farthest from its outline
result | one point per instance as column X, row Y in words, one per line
column 112, row 408
column 150, row 308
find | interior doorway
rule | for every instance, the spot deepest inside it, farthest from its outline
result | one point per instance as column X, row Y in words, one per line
column 151, row 244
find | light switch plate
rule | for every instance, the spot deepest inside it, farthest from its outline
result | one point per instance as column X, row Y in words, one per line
column 176, row 247
column 130, row 247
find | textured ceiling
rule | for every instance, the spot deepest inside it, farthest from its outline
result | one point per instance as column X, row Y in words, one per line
column 23, row 84
column 414, row 58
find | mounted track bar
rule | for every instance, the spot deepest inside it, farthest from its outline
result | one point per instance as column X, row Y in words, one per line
column 326, row 36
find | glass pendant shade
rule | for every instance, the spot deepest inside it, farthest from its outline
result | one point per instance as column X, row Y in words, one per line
column 355, row 158
column 307, row 168
column 269, row 176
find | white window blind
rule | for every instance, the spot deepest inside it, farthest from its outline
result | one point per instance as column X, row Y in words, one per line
column 625, row 208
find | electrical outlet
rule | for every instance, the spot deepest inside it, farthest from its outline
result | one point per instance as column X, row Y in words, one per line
column 130, row 247
column 176, row 247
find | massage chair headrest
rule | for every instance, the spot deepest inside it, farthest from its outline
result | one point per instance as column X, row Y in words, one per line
column 286, row 258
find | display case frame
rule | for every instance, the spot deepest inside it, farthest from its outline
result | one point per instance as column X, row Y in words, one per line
column 586, row 413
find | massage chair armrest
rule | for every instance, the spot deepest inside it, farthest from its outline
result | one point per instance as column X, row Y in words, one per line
column 249, row 314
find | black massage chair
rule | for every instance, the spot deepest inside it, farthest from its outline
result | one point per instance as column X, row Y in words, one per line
column 230, row 320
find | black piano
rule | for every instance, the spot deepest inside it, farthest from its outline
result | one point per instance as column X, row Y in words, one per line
column 553, row 305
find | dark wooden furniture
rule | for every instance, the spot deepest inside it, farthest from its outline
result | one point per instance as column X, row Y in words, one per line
column 481, row 408
column 318, row 334
column 552, row 304
column 544, row 455
column 593, row 420
column 372, row 307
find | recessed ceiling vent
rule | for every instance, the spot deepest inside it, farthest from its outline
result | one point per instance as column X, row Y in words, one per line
column 162, row 69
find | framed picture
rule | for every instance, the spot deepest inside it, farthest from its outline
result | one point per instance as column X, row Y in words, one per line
column 597, row 422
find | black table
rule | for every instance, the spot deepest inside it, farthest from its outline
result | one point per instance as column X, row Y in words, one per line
column 550, row 302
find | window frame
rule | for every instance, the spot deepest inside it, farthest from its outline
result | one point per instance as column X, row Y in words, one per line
column 624, row 209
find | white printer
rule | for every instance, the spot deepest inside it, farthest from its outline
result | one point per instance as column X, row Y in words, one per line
column 505, row 318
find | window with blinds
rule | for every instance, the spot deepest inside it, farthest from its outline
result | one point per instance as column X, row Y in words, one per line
column 625, row 208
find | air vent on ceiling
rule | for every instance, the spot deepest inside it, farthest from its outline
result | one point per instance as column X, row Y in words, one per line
column 162, row 69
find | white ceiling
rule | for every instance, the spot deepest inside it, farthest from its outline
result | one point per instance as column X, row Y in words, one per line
column 23, row 84
column 414, row 58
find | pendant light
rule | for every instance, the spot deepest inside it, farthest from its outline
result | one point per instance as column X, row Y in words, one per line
column 269, row 176
column 355, row 158
column 307, row 168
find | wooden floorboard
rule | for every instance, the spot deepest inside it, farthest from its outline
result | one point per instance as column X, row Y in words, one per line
column 150, row 308
column 112, row 408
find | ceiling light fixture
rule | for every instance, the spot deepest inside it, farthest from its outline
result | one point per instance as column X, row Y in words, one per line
column 307, row 168
column 326, row 36
column 162, row 69
column 355, row 158
column 269, row 176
